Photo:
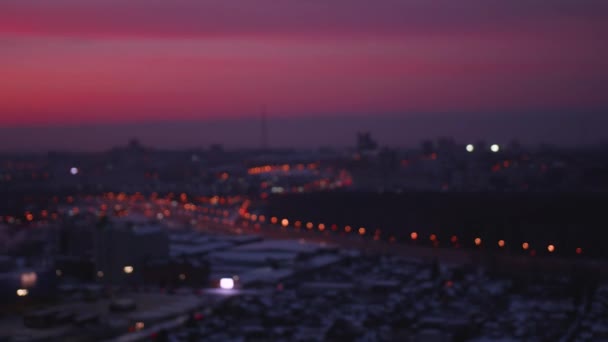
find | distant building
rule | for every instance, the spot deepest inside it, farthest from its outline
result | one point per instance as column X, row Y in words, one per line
column 365, row 143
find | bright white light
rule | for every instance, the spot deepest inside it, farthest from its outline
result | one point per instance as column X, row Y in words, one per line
column 22, row 292
column 495, row 148
column 227, row 283
column 74, row 171
column 470, row 148
column 128, row 269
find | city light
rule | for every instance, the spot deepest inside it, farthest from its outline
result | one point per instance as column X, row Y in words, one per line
column 477, row 241
column 362, row 230
column 414, row 235
column 551, row 248
column 22, row 292
column 74, row 171
column 284, row 222
column 128, row 269
column 99, row 274
column 525, row 246
column 274, row 220
column 182, row 277
column 495, row 148
column 309, row 225
column 227, row 283
column 470, row 148
column 321, row 226
column 579, row 250
column 58, row 273
column 28, row 279
column 501, row 243
column 139, row 326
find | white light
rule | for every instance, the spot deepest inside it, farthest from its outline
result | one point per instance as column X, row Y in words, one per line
column 74, row 171
column 128, row 269
column 470, row 148
column 495, row 148
column 227, row 283
column 22, row 292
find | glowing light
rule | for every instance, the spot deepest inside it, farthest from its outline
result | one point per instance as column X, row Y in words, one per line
column 433, row 237
column 182, row 277
column 284, row 222
column 74, row 171
column 309, row 225
column 227, row 283
column 477, row 241
column 139, row 326
column 262, row 218
column 22, row 292
column 28, row 279
column 321, row 226
column 274, row 220
column 29, row 217
column 495, row 148
column 525, row 246
column 160, row 216
column 128, row 269
column 579, row 250
column 362, row 231
column 414, row 236
column 551, row 248
column 470, row 148
column 501, row 243
column 454, row 239
column 298, row 224
column 348, row 229
column 99, row 274
column 58, row 273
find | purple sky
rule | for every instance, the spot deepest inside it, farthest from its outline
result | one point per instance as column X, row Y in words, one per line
column 348, row 65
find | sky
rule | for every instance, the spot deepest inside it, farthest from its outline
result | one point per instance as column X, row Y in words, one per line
column 322, row 69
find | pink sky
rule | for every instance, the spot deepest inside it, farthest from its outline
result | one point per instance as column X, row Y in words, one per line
column 75, row 61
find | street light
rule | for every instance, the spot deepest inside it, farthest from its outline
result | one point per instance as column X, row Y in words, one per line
column 128, row 269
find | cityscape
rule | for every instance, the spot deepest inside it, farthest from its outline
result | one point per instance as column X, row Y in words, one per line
column 143, row 244
column 260, row 170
